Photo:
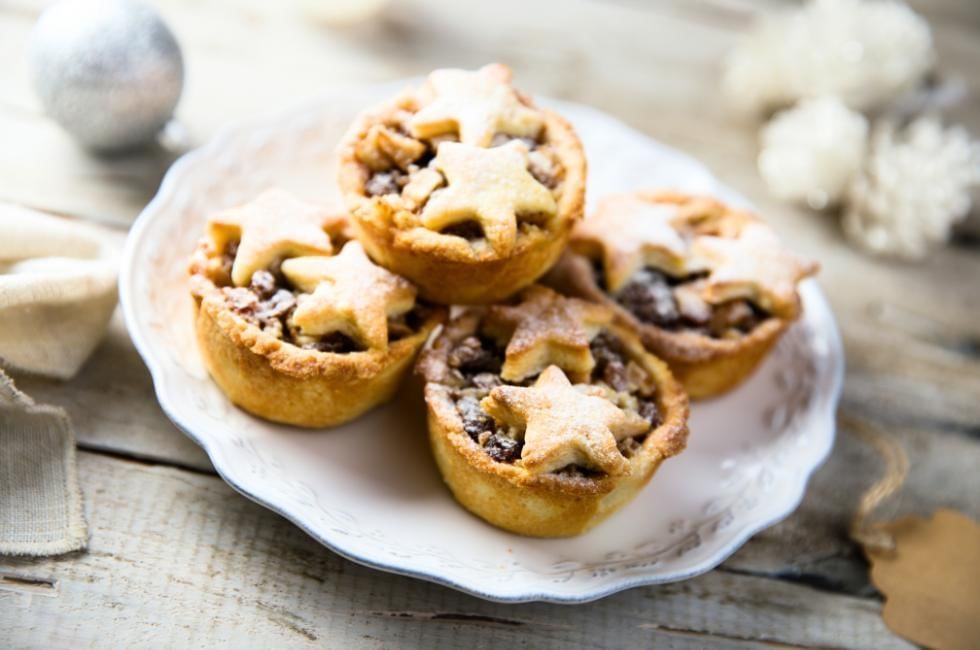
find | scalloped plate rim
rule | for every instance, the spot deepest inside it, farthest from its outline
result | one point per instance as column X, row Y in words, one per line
column 825, row 422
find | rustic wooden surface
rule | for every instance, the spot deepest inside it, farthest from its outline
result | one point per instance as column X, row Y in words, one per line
column 177, row 558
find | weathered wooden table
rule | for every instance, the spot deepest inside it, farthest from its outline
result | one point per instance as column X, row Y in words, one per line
column 177, row 558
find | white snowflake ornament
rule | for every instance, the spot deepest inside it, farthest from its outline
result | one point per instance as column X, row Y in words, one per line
column 916, row 184
column 811, row 152
column 866, row 52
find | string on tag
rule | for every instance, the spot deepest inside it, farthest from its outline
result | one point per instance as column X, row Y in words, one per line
column 869, row 534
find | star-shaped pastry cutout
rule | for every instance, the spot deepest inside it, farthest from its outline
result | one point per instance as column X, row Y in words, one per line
column 754, row 266
column 350, row 295
column 476, row 105
column 545, row 329
column 491, row 186
column 630, row 233
column 272, row 226
column 564, row 425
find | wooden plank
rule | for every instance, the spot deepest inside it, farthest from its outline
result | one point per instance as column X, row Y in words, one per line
column 113, row 409
column 812, row 545
column 910, row 330
column 685, row 115
column 226, row 84
column 112, row 405
column 177, row 559
column 650, row 70
column 43, row 168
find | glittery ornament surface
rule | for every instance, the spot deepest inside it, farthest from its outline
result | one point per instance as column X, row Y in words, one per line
column 109, row 71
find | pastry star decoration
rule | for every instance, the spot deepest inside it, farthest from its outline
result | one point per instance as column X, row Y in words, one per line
column 350, row 295
column 273, row 226
column 754, row 266
column 633, row 233
column 489, row 185
column 474, row 104
column 547, row 328
column 563, row 425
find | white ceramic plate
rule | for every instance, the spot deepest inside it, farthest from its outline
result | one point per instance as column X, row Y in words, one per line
column 370, row 491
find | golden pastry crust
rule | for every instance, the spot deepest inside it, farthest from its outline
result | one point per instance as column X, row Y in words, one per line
column 536, row 503
column 274, row 225
column 545, row 329
column 450, row 269
column 705, row 365
column 306, row 388
column 564, row 424
column 276, row 379
column 348, row 294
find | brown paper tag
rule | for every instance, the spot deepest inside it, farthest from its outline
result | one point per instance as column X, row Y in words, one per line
column 931, row 580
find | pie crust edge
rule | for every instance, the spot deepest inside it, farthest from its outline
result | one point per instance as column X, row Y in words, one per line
column 705, row 366
column 278, row 381
column 474, row 280
column 544, row 505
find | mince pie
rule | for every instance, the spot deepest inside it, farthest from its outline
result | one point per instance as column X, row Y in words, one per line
column 295, row 323
column 709, row 288
column 463, row 185
column 545, row 416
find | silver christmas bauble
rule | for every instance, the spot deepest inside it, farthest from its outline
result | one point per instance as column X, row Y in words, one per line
column 109, row 71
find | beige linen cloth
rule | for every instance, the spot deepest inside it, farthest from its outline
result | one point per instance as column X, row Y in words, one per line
column 57, row 293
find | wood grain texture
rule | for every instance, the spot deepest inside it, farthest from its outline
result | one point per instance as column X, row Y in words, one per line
column 178, row 558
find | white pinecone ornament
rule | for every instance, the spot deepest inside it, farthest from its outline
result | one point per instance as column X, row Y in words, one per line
column 811, row 152
column 916, row 184
column 866, row 52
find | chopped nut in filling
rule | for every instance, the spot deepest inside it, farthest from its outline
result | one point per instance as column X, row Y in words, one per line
column 676, row 304
column 418, row 154
column 687, row 263
column 270, row 300
column 475, row 364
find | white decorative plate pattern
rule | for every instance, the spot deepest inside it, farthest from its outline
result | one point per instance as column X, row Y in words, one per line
column 370, row 491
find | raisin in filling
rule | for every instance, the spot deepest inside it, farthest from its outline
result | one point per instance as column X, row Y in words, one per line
column 673, row 304
column 400, row 166
column 476, row 355
column 266, row 301
column 579, row 472
column 269, row 301
column 407, row 324
column 475, row 364
column 468, row 230
column 630, row 385
column 499, row 443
